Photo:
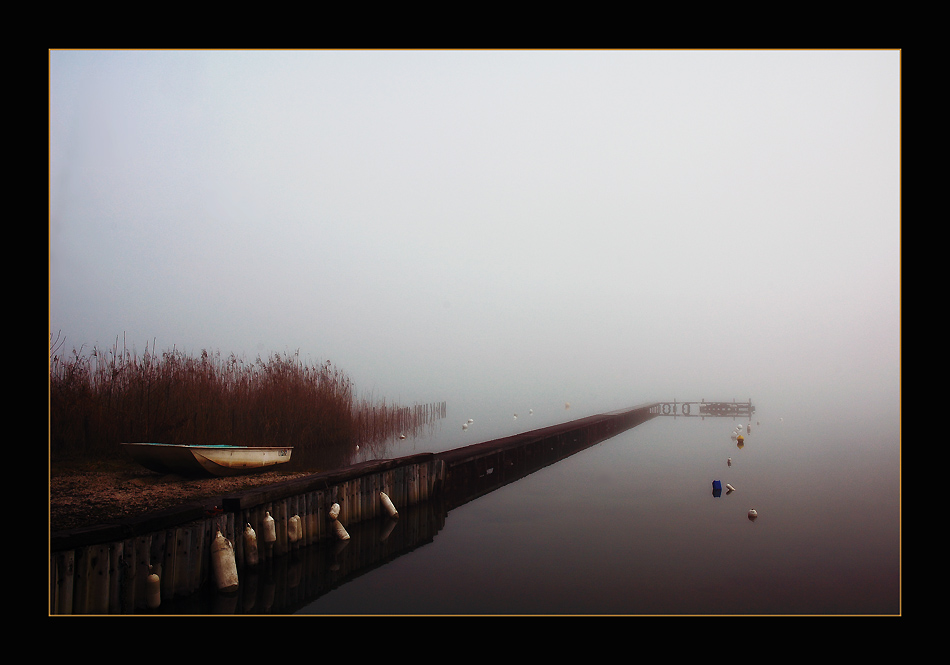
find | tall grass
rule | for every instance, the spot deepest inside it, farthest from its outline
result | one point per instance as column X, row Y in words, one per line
column 101, row 398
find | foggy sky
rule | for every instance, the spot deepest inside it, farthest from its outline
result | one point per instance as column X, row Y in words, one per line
column 518, row 228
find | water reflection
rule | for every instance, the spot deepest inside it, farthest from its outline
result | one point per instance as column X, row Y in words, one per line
column 286, row 584
column 629, row 527
column 308, row 573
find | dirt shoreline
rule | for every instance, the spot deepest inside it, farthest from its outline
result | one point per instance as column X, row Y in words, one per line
column 83, row 494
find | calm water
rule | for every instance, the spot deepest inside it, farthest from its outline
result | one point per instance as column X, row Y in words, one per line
column 631, row 526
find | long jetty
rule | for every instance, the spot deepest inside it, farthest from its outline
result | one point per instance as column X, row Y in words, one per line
column 108, row 568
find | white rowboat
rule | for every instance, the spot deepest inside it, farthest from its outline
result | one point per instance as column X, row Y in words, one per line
column 206, row 460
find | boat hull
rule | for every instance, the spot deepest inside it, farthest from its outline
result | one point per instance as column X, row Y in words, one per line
column 206, row 460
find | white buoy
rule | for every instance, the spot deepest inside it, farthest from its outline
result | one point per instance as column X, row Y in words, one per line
column 294, row 529
column 516, row 416
column 222, row 561
column 335, row 511
column 730, row 487
column 388, row 505
column 753, row 514
column 729, row 462
column 530, row 412
column 402, row 436
column 341, row 533
column 464, row 426
column 250, row 545
column 153, row 589
column 270, row 529
column 470, row 421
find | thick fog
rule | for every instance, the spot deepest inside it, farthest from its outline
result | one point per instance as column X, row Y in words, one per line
column 502, row 230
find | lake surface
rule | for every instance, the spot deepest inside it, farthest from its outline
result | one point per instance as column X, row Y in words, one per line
column 631, row 526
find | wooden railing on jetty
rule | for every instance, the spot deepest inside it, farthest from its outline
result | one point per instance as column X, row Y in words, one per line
column 103, row 569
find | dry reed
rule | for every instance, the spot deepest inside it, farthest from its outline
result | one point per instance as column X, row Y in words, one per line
column 102, row 398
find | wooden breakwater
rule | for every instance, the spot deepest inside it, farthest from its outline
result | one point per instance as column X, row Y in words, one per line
column 475, row 470
column 107, row 569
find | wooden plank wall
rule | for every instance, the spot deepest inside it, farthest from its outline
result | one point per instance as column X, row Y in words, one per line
column 110, row 578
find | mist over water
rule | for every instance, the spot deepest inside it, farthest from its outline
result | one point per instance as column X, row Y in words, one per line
column 631, row 526
column 508, row 231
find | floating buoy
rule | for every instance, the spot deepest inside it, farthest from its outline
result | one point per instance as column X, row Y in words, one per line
column 153, row 589
column 222, row 561
column 335, row 511
column 730, row 488
column 470, row 421
column 270, row 529
column 729, row 462
column 753, row 514
column 294, row 529
column 740, row 438
column 516, row 416
column 388, row 505
column 250, row 545
column 402, row 436
column 717, row 485
column 341, row 533
column 464, row 426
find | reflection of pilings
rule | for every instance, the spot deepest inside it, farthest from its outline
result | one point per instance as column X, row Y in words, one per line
column 289, row 583
column 475, row 470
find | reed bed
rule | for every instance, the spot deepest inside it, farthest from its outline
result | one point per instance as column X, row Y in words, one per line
column 101, row 398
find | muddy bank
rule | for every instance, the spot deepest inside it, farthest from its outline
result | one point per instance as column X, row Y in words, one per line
column 89, row 493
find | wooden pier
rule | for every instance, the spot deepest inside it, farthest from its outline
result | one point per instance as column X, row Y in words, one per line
column 104, row 569
column 704, row 409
